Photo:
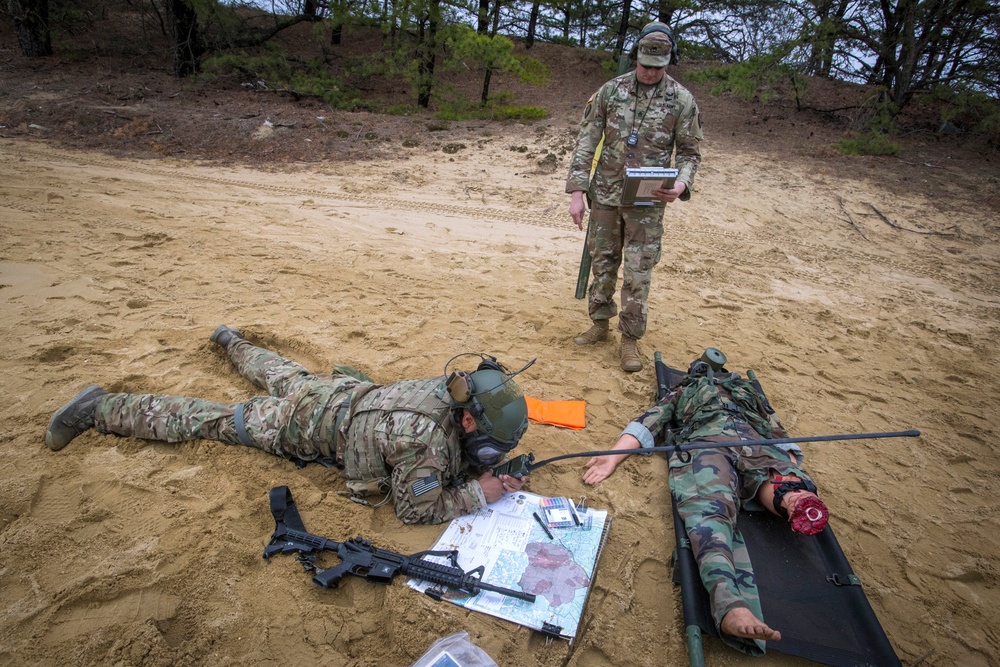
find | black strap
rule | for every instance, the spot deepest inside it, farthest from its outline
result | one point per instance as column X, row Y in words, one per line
column 241, row 426
column 781, row 488
column 283, row 509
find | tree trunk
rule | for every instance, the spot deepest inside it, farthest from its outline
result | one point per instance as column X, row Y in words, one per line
column 486, row 85
column 496, row 19
column 338, row 15
column 623, row 28
column 427, row 49
column 187, row 42
column 665, row 11
column 482, row 19
column 31, row 22
column 532, row 24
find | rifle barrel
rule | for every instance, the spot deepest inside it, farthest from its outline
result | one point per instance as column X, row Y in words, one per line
column 520, row 595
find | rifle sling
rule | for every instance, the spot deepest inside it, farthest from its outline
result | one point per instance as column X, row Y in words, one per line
column 284, row 510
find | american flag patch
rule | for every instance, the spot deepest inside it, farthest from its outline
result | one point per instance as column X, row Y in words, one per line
column 422, row 486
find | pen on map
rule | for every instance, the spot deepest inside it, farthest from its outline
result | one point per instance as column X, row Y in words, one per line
column 542, row 524
column 572, row 511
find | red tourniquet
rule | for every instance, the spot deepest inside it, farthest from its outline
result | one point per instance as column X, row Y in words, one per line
column 810, row 516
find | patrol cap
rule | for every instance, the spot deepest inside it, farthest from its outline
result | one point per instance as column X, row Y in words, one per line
column 655, row 45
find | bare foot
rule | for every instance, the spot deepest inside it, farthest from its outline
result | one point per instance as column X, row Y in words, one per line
column 741, row 622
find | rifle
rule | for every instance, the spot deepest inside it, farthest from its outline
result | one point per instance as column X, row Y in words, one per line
column 360, row 558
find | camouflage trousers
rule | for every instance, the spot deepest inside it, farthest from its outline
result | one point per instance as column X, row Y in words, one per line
column 629, row 237
column 708, row 492
column 297, row 419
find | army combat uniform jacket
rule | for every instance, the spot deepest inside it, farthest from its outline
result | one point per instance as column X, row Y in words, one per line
column 395, row 441
column 712, row 486
column 664, row 117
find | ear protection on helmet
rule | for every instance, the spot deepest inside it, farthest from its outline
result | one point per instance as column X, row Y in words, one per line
column 460, row 385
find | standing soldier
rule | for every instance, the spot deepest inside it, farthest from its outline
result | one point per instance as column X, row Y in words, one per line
column 642, row 116
column 416, row 441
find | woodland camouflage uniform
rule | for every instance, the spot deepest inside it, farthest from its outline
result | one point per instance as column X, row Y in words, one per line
column 665, row 117
column 399, row 438
column 710, row 489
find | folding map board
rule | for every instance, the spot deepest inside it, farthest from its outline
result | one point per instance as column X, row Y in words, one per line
column 507, row 539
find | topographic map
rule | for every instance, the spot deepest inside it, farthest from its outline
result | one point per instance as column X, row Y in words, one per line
column 516, row 552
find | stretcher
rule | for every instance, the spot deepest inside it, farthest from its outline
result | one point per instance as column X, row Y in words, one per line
column 807, row 588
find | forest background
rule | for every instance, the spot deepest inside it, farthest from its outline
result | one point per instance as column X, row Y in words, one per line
column 947, row 51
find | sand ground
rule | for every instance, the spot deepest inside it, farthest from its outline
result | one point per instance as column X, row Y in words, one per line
column 115, row 271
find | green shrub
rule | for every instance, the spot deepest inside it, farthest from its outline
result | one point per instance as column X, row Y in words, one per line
column 402, row 109
column 971, row 109
column 757, row 77
column 870, row 143
column 453, row 111
column 274, row 72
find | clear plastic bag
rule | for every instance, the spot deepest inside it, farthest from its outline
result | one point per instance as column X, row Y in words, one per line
column 455, row 651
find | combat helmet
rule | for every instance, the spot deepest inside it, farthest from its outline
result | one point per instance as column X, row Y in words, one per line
column 496, row 404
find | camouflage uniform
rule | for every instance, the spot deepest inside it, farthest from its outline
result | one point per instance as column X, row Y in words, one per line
column 399, row 438
column 710, row 489
column 663, row 116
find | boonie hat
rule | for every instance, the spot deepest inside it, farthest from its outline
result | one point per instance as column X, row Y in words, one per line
column 655, row 45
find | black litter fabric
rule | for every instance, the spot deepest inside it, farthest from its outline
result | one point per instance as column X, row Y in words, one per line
column 796, row 576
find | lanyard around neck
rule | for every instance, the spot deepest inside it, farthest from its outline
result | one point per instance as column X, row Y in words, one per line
column 633, row 132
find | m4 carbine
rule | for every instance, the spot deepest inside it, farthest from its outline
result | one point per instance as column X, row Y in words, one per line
column 359, row 558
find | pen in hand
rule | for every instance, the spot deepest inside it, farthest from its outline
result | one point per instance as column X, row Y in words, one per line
column 542, row 524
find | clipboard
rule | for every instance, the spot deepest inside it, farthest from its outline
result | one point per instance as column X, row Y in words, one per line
column 641, row 181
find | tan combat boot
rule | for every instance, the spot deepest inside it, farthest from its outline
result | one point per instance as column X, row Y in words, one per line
column 595, row 334
column 631, row 361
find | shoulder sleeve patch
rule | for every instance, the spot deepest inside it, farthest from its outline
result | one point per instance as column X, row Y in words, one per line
column 425, row 485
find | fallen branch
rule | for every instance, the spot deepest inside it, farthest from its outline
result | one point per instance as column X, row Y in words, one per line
column 849, row 218
column 904, row 229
